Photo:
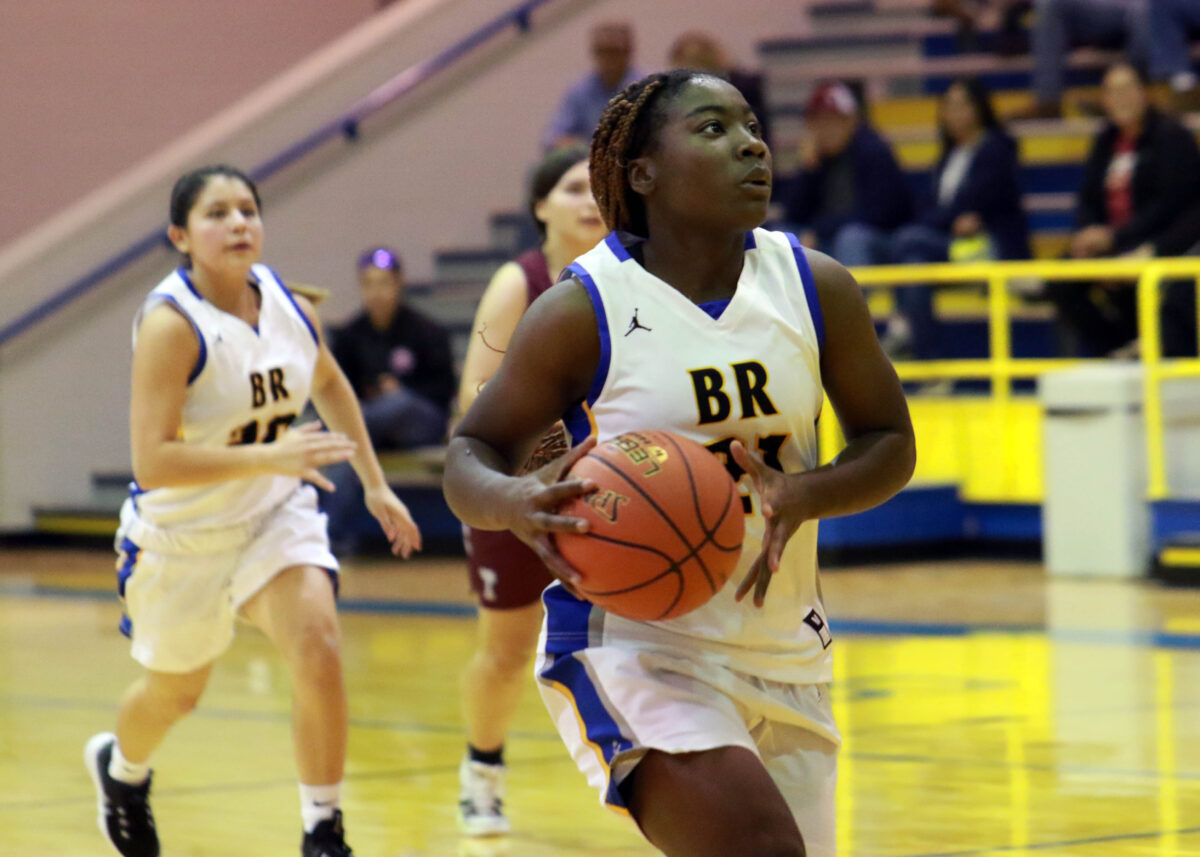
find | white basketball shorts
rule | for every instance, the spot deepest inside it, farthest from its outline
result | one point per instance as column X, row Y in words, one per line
column 183, row 589
column 612, row 704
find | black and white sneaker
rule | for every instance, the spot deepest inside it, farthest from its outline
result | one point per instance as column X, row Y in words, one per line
column 328, row 839
column 124, row 810
column 481, row 799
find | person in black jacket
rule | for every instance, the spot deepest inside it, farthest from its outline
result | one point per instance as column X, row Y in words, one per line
column 974, row 211
column 850, row 193
column 1140, row 182
column 398, row 360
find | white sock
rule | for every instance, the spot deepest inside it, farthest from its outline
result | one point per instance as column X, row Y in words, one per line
column 317, row 803
column 124, row 771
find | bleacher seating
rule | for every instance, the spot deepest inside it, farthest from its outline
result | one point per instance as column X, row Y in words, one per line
column 904, row 57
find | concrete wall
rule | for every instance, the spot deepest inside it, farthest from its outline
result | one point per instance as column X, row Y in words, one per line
column 423, row 177
column 93, row 86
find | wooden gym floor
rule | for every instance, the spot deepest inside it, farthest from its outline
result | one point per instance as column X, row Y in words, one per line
column 986, row 711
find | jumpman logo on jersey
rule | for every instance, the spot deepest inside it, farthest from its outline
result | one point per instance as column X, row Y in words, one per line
column 634, row 324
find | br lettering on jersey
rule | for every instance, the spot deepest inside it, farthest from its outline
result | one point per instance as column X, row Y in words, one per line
column 714, row 405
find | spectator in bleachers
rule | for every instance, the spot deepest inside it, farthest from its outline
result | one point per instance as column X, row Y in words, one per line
column 398, row 361
column 581, row 105
column 701, row 51
column 1141, row 182
column 1174, row 23
column 973, row 16
column 975, row 211
column 1059, row 25
column 850, row 193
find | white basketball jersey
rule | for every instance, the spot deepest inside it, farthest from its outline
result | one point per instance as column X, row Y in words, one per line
column 248, row 385
column 751, row 374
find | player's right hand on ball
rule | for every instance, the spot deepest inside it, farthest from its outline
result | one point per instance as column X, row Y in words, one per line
column 303, row 450
column 536, row 501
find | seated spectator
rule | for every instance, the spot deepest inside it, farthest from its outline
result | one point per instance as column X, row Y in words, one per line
column 850, row 193
column 974, row 16
column 1060, row 25
column 975, row 212
column 699, row 50
column 398, row 361
column 582, row 104
column 1140, row 185
column 1174, row 23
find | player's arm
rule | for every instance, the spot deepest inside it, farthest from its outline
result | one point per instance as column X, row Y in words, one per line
column 549, row 366
column 880, row 451
column 338, row 406
column 500, row 309
column 166, row 353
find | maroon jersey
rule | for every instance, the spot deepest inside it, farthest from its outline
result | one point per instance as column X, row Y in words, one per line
column 505, row 572
column 537, row 274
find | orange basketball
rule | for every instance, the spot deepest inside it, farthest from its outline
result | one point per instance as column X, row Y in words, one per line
column 665, row 525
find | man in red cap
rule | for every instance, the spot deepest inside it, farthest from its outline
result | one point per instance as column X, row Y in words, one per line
column 850, row 193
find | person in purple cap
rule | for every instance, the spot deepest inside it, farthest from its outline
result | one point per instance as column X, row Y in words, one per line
column 398, row 360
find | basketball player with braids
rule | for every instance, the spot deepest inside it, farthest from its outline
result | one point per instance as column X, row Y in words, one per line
column 506, row 576
column 713, row 730
column 220, row 525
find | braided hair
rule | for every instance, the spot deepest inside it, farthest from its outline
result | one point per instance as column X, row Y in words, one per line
column 629, row 128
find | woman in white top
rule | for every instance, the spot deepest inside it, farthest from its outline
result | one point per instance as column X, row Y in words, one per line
column 713, row 729
column 220, row 524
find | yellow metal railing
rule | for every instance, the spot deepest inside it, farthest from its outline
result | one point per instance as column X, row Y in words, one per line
column 1001, row 368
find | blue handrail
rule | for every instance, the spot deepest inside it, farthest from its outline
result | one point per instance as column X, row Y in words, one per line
column 346, row 126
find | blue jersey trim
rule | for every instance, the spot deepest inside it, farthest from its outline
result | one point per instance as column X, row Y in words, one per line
column 715, row 308
column 810, row 288
column 135, row 491
column 567, row 619
column 600, row 730
column 303, row 316
column 576, row 419
column 187, row 281
column 130, row 553
column 751, row 242
column 617, row 248
column 202, row 358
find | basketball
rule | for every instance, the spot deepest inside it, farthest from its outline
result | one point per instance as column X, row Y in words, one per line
column 665, row 526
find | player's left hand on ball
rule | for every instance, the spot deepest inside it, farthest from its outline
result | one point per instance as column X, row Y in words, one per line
column 783, row 517
column 402, row 534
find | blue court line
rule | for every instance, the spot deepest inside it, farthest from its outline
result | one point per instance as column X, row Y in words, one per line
column 844, row 627
column 345, row 605
column 1065, row 843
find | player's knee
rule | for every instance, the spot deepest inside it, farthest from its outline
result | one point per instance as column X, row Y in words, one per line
column 317, row 650
column 507, row 661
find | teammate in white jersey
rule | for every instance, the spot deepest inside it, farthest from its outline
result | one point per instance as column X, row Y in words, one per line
column 220, row 524
column 713, row 730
